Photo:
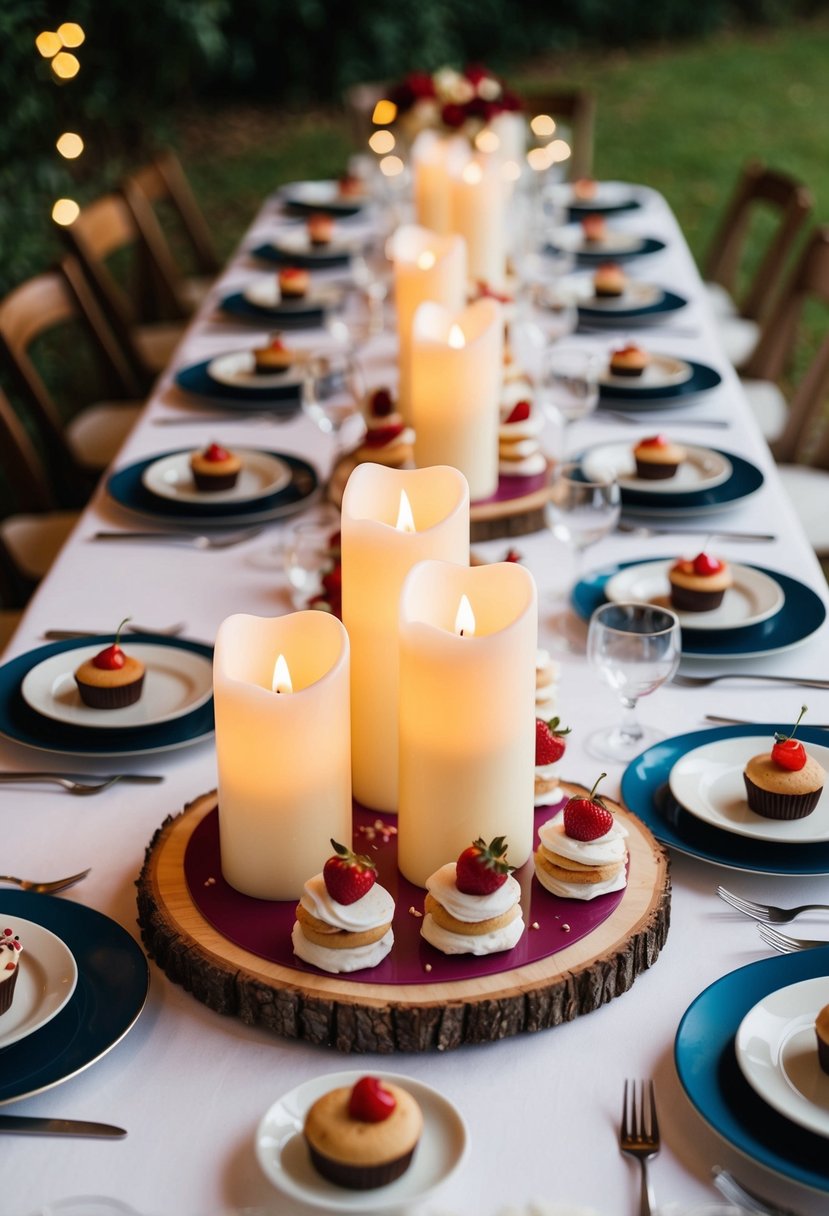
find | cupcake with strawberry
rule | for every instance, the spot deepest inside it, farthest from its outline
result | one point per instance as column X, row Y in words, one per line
column 343, row 919
column 214, row 468
column 582, row 852
column 473, row 904
column 657, row 458
column 294, row 282
column 785, row 783
column 111, row 679
column 320, row 228
column 698, row 584
column 549, row 748
column 10, row 950
column 519, row 449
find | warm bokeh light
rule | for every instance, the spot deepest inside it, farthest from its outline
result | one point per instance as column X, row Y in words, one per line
column 457, row 338
column 543, row 126
column 510, row 171
column 426, row 260
column 70, row 145
column 48, row 44
column 540, row 159
column 560, row 150
column 381, row 142
column 65, row 65
column 487, row 141
column 391, row 166
column 70, row 33
column 472, row 173
column 65, row 212
column 385, row 112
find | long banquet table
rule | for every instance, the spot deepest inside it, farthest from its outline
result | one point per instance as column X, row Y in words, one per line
column 190, row 1085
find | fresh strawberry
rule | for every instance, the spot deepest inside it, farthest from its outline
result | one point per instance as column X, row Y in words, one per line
column 332, row 581
column 112, row 658
column 789, row 752
column 654, row 441
column 380, row 435
column 348, row 876
column 482, row 868
column 549, row 740
column 381, row 403
column 370, row 1101
column 704, row 564
column 216, row 452
column 520, row 412
column 587, row 818
column 512, row 555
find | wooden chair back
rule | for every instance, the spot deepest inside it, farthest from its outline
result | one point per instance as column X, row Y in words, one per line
column 23, row 469
column 163, row 181
column 577, row 108
column 805, row 438
column 791, row 201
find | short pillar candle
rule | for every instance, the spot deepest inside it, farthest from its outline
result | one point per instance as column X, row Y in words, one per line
column 433, row 157
column 467, row 714
column 379, row 548
column 283, row 748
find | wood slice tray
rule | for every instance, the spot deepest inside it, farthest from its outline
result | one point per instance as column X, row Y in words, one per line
column 332, row 1010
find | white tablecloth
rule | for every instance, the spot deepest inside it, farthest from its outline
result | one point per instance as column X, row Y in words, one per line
column 190, row 1085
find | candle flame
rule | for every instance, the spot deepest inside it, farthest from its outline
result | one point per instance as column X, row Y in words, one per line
column 405, row 518
column 456, row 338
column 465, row 619
column 281, row 676
column 473, row 173
column 426, row 260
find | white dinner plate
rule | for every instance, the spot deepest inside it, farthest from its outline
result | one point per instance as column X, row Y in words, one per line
column 323, row 193
column 283, row 1154
column 238, row 370
column 777, row 1053
column 297, row 242
column 47, row 975
column 708, row 782
column 176, row 682
column 702, row 469
column 635, row 295
column 264, row 293
column 662, row 372
column 260, row 476
column 753, row 596
column 608, row 194
column 571, row 239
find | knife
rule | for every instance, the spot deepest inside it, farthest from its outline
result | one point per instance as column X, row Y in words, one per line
column 23, row 1125
column 134, row 778
column 753, row 721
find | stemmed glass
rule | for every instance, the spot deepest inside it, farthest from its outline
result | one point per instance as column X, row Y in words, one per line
column 333, row 391
column 371, row 270
column 636, row 648
column 569, row 386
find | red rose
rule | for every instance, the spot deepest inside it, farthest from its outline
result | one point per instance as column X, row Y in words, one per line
column 453, row 115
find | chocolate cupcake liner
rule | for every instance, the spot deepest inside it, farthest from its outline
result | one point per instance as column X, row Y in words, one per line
column 360, row 1177
column 822, row 1053
column 118, row 697
column 7, row 990
column 687, row 600
column 780, row 806
column 221, row 481
column 651, row 471
column 627, row 371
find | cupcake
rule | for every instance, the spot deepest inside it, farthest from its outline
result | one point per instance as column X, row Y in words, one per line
column 388, row 440
column 293, row 282
column 320, row 229
column 547, row 675
column 10, row 951
column 582, row 852
column 584, row 189
column 822, row 1035
column 550, row 746
column 785, row 783
column 215, row 469
column 343, row 919
column 350, row 187
column 629, row 360
column 699, row 584
column 657, row 458
column 111, row 679
column 363, row 1136
column 594, row 229
column 609, row 281
column 473, row 904
column 519, row 448
column 275, row 357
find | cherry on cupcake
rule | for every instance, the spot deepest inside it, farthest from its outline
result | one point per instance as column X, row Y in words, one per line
column 789, row 752
column 704, row 564
column 112, row 658
column 370, row 1101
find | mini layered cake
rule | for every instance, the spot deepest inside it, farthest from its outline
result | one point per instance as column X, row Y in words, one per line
column 594, row 229
column 10, row 950
column 629, row 361
column 343, row 920
column 699, row 584
column 111, row 679
column 822, row 1035
column 582, row 853
column 657, row 458
column 293, row 282
column 785, row 783
column 364, row 1136
column 275, row 357
column 609, row 281
column 215, row 469
column 550, row 746
column 473, row 905
column 547, row 675
column 320, row 228
column 388, row 440
column 519, row 449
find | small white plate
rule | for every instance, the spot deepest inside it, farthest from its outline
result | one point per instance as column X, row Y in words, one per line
column 177, row 681
column 298, row 242
column 571, row 240
column 708, row 782
column 777, row 1053
column 753, row 596
column 238, row 370
column 635, row 295
column 662, row 372
column 702, row 469
column 283, row 1155
column 260, row 476
column 264, row 293
column 46, row 980
column 323, row 193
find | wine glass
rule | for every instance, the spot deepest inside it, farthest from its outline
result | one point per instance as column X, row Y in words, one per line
column 569, row 386
column 332, row 395
column 371, row 270
column 636, row 648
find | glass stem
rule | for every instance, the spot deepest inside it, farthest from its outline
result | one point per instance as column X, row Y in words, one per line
column 629, row 727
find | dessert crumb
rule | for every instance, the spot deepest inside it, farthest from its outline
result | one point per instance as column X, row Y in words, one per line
column 210, row 882
column 535, row 925
column 427, row 967
column 565, row 928
column 413, row 911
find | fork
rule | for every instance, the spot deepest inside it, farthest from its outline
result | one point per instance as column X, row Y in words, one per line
column 784, row 943
column 767, row 912
column 192, row 540
column 616, row 416
column 45, row 888
column 61, row 635
column 80, row 788
column 704, row 681
column 639, row 1137
column 645, row 530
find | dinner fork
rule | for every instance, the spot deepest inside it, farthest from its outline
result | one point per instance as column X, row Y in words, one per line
column 638, row 420
column 784, row 943
column 192, row 540
column 639, row 1137
column 704, row 681
column 62, row 635
column 645, row 530
column 96, row 785
column 767, row 912
column 44, row 888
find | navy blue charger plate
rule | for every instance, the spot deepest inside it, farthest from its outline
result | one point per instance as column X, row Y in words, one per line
column 670, row 302
column 308, row 261
column 577, row 211
column 299, row 314
column 702, row 379
column 746, row 479
column 645, row 792
column 281, row 398
column 592, row 257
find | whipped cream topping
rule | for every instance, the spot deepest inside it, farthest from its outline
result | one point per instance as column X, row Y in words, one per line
column 374, row 908
column 584, row 890
column 547, row 771
column 521, row 447
column 338, row 961
column 481, row 943
column 549, row 797
column 600, row 852
column 471, row 908
column 530, row 466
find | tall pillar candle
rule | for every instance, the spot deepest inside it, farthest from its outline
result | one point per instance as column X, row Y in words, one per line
column 283, row 747
column 433, row 158
column 426, row 267
column 467, row 714
column 456, row 389
column 478, row 214
column 379, row 547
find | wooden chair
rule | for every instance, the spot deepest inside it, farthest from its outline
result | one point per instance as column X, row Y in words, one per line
column 106, row 232
column 740, row 311
column 160, row 189
column 79, row 449
column 577, row 109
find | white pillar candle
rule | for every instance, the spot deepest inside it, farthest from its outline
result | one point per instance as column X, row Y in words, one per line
column 377, row 554
column 426, row 267
column 467, row 715
column 456, row 387
column 478, row 214
column 284, row 757
column 433, row 156
column 511, row 128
